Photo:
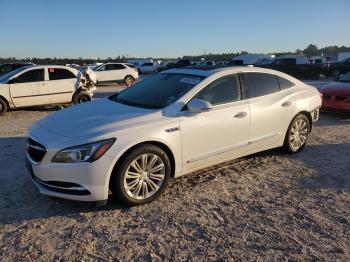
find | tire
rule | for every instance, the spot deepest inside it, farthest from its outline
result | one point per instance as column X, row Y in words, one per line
column 129, row 184
column 300, row 128
column 81, row 97
column 129, row 80
column 3, row 107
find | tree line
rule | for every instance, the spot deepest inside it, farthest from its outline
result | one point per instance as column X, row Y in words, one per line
column 310, row 50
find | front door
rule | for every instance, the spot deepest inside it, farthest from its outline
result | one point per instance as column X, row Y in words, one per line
column 28, row 89
column 220, row 133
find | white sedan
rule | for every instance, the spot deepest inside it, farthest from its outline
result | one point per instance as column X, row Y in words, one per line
column 114, row 73
column 41, row 85
column 165, row 126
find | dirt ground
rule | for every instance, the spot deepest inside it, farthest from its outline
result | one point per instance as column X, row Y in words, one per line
column 268, row 206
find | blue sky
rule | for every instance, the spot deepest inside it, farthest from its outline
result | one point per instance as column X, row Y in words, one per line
column 164, row 28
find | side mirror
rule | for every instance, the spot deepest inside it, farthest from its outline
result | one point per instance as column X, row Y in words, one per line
column 198, row 106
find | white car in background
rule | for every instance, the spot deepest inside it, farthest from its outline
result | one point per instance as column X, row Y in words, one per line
column 114, row 73
column 148, row 68
column 41, row 85
column 165, row 126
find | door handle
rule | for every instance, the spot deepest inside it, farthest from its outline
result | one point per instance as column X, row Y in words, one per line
column 240, row 114
column 286, row 104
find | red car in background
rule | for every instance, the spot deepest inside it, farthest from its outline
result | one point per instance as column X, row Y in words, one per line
column 336, row 95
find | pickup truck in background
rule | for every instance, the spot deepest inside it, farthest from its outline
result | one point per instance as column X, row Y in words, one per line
column 298, row 67
column 338, row 68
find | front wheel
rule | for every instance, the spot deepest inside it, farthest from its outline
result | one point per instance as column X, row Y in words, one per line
column 297, row 134
column 142, row 176
column 129, row 80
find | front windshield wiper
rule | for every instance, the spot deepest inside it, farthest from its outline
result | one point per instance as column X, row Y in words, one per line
column 129, row 103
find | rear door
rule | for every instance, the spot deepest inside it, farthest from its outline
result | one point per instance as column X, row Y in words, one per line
column 61, row 84
column 271, row 109
column 28, row 88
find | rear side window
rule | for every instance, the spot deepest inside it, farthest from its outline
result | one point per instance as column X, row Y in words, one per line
column 35, row 75
column 223, row 90
column 59, row 73
column 284, row 83
column 260, row 84
column 131, row 65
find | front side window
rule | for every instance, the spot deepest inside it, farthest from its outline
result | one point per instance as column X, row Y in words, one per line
column 157, row 91
column 260, row 84
column 223, row 90
column 35, row 75
column 60, row 73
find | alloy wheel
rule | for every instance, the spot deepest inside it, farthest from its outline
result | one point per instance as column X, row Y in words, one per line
column 298, row 134
column 144, row 176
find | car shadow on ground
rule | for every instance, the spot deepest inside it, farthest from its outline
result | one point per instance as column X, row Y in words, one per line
column 333, row 119
column 20, row 200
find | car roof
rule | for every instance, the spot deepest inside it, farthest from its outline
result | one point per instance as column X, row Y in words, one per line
column 50, row 66
column 210, row 70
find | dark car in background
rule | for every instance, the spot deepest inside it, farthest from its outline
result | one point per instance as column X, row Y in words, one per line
column 6, row 68
column 297, row 67
column 338, row 68
column 179, row 64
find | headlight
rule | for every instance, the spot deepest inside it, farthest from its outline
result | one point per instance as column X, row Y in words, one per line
column 83, row 153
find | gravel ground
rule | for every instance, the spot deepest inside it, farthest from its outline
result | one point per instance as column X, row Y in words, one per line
column 268, row 206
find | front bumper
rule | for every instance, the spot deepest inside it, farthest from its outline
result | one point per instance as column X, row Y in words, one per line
column 83, row 181
column 333, row 103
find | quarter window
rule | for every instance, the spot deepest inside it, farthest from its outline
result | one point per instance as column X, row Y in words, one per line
column 59, row 73
column 223, row 90
column 284, row 83
column 35, row 75
column 260, row 84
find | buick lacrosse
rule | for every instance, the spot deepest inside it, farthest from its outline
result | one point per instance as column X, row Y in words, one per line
column 165, row 126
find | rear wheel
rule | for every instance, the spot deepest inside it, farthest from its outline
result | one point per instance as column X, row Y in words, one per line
column 297, row 134
column 81, row 97
column 142, row 176
column 3, row 107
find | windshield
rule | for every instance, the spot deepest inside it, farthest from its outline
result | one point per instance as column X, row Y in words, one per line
column 157, row 91
column 5, row 78
column 95, row 67
column 345, row 78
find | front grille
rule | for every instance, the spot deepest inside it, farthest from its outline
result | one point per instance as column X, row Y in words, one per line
column 36, row 151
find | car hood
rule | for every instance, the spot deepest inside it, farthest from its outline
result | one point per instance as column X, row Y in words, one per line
column 337, row 88
column 96, row 118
